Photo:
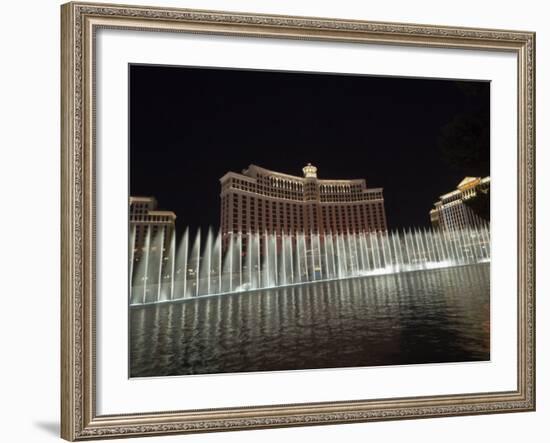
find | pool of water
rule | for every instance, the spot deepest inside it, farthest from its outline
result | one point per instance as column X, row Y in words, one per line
column 434, row 316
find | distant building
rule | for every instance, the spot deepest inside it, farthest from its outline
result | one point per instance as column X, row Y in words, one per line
column 452, row 211
column 146, row 222
column 259, row 200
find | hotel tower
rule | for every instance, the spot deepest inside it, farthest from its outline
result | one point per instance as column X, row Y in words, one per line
column 451, row 211
column 259, row 200
column 146, row 222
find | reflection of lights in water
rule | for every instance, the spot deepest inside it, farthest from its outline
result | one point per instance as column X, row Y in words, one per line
column 320, row 325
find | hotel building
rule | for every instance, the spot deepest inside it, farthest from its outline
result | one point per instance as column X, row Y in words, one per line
column 146, row 220
column 260, row 200
column 451, row 211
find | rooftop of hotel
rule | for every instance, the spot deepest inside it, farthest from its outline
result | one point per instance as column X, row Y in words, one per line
column 310, row 171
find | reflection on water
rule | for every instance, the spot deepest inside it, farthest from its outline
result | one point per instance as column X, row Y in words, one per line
column 419, row 317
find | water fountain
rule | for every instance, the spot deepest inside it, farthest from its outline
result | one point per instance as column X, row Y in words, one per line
column 249, row 261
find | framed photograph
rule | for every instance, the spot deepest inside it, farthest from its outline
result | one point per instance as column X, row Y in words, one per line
column 282, row 221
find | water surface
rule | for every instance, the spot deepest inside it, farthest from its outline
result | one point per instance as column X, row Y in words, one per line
column 435, row 316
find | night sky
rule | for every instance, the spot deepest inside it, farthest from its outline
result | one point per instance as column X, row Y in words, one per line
column 189, row 126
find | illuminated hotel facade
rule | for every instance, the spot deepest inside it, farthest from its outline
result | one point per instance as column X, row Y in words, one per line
column 146, row 222
column 451, row 212
column 259, row 200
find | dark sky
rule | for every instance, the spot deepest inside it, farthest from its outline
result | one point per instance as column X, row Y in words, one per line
column 189, row 126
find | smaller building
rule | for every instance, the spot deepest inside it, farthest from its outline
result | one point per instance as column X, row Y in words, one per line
column 453, row 211
column 147, row 221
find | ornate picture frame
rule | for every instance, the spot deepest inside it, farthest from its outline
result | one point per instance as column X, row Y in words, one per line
column 80, row 22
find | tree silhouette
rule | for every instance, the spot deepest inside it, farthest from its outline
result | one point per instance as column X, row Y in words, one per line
column 464, row 142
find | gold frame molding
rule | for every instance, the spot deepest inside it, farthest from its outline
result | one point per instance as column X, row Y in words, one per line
column 79, row 22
